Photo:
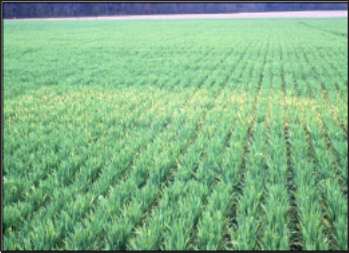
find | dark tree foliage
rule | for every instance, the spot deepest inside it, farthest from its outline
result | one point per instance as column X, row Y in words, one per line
column 41, row 10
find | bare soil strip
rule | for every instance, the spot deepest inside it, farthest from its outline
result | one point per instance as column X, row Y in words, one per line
column 294, row 14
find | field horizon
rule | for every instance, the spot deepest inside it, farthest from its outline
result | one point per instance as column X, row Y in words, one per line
column 274, row 14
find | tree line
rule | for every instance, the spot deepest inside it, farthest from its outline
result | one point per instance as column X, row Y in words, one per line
column 42, row 10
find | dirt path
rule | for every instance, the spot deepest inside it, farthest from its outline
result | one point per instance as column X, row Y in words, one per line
column 295, row 14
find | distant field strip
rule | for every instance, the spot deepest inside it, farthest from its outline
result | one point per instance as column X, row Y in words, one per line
column 176, row 135
column 274, row 14
column 344, row 34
